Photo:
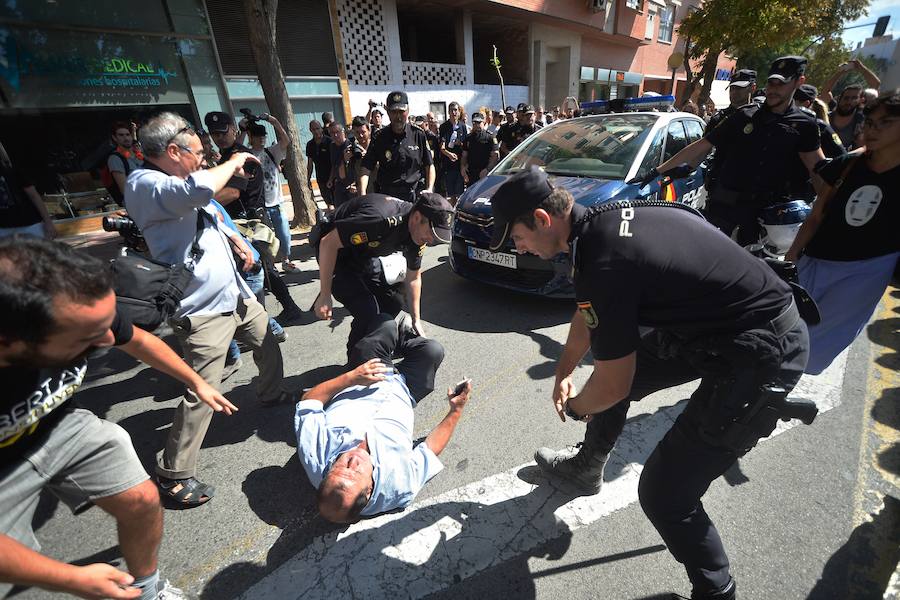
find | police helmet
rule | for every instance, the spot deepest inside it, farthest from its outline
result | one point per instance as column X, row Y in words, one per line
column 780, row 224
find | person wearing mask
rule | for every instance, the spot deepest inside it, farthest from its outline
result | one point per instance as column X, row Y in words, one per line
column 847, row 249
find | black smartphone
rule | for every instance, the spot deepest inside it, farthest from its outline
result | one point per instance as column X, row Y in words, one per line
column 460, row 387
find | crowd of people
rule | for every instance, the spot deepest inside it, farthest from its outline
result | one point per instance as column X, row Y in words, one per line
column 390, row 189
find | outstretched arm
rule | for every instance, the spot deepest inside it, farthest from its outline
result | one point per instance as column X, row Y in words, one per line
column 367, row 373
column 440, row 436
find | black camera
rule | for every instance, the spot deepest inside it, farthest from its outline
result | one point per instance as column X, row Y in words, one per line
column 127, row 228
column 251, row 118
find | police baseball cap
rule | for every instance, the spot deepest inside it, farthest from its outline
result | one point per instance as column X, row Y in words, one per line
column 218, row 122
column 420, row 119
column 477, row 117
column 529, row 109
column 509, row 110
column 397, row 101
column 806, row 92
column 787, row 68
column 521, row 194
column 522, row 106
column 743, row 78
column 256, row 130
column 439, row 213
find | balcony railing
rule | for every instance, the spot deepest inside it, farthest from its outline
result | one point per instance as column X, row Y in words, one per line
column 424, row 73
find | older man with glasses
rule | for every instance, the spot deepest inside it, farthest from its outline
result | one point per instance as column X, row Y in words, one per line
column 170, row 200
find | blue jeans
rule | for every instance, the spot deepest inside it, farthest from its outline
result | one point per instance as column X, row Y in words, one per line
column 255, row 282
column 282, row 231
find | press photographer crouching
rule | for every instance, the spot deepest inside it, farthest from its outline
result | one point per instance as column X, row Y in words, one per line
column 169, row 200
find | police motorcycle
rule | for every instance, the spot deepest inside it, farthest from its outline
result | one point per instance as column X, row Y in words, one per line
column 779, row 225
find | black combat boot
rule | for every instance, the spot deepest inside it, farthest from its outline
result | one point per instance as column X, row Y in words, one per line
column 584, row 470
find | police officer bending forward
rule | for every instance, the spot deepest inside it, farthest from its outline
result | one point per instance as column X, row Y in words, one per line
column 355, row 263
column 729, row 321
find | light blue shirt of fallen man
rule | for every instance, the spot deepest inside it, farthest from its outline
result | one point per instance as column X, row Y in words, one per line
column 355, row 432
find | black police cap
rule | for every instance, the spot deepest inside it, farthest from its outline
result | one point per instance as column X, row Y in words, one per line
column 509, row 109
column 477, row 117
column 439, row 213
column 786, row 68
column 806, row 92
column 522, row 106
column 743, row 78
column 397, row 101
column 521, row 194
column 217, row 121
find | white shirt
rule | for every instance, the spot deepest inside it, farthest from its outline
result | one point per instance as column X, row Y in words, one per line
column 165, row 208
column 271, row 178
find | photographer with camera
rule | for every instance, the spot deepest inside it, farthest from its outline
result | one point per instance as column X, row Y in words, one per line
column 170, row 202
column 243, row 198
column 375, row 118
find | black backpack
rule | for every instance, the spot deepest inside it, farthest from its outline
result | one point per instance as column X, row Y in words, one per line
column 148, row 291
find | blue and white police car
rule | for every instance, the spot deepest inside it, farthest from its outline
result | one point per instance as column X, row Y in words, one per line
column 590, row 156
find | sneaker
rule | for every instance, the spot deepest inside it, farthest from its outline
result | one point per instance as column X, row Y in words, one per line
column 289, row 267
column 584, row 470
column 170, row 592
column 231, row 369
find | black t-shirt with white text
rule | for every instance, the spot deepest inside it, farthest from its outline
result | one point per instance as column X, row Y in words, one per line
column 34, row 400
column 692, row 280
column 861, row 217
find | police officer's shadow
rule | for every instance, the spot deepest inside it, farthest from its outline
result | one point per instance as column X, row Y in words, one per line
column 424, row 551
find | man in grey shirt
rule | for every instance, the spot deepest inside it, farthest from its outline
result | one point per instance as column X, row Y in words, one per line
column 169, row 198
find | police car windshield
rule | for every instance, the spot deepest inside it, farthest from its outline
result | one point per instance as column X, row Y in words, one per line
column 602, row 146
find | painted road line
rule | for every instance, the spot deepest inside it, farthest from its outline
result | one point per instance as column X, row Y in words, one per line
column 465, row 531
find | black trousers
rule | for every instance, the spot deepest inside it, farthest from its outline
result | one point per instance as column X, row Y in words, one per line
column 728, row 217
column 685, row 463
column 421, row 357
column 365, row 296
column 275, row 284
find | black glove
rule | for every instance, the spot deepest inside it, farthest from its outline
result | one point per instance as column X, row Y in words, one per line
column 642, row 181
column 679, row 172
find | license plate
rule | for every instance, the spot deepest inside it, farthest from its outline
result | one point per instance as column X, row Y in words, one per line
column 495, row 258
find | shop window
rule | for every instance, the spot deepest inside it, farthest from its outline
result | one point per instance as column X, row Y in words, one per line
column 666, row 24
column 114, row 14
column 676, row 140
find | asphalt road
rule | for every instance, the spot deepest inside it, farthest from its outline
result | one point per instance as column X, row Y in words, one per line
column 796, row 514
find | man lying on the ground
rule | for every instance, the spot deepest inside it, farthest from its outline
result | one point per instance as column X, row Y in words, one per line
column 355, row 432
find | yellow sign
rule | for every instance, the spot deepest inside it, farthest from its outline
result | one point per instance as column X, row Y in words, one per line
column 359, row 238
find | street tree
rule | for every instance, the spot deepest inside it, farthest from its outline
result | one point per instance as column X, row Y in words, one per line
column 261, row 26
column 736, row 27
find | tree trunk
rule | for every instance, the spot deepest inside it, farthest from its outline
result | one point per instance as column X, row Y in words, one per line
column 261, row 26
column 708, row 73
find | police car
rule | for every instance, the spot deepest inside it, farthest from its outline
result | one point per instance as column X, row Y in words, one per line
column 590, row 156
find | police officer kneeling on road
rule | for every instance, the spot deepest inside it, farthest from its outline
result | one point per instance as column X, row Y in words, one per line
column 719, row 314
column 355, row 256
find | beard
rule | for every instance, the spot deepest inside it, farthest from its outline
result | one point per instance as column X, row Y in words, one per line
column 845, row 112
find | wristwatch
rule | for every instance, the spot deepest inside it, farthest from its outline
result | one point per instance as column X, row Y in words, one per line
column 571, row 413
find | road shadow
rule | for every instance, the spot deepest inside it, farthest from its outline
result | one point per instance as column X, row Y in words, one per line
column 886, row 410
column 449, row 541
column 884, row 333
column 452, row 302
column 863, row 566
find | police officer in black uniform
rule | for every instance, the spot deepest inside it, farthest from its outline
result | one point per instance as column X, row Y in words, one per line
column 352, row 251
column 730, row 322
column 740, row 90
column 830, row 141
column 516, row 134
column 505, row 128
column 764, row 145
column 401, row 153
column 243, row 199
column 479, row 151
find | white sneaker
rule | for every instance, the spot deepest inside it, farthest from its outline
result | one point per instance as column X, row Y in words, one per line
column 170, row 592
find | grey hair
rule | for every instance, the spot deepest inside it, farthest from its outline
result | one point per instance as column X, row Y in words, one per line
column 160, row 131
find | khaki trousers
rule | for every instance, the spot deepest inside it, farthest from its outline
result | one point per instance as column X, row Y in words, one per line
column 205, row 341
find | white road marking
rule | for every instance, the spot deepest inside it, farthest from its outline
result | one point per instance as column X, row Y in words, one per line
column 458, row 534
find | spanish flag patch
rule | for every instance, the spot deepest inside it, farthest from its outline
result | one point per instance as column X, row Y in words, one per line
column 667, row 190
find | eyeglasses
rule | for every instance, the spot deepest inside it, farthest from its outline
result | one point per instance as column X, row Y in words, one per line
column 880, row 124
column 185, row 129
column 198, row 154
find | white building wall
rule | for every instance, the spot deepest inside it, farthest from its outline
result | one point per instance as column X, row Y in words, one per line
column 471, row 97
column 888, row 49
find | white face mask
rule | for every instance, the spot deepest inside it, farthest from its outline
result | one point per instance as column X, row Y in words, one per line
column 862, row 204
